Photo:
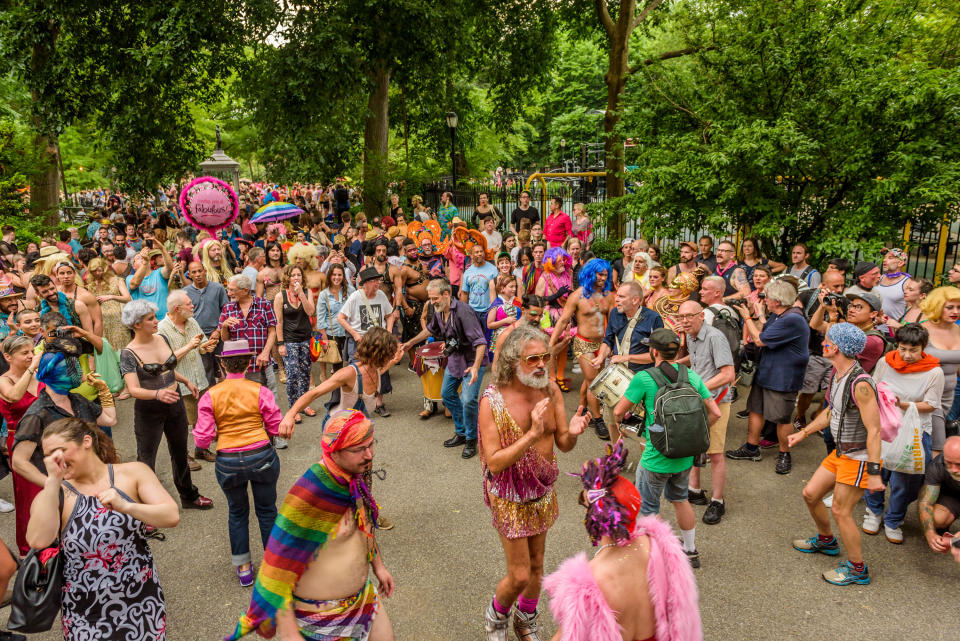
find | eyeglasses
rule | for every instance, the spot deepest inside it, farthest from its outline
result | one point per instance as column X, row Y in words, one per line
column 857, row 306
column 535, row 359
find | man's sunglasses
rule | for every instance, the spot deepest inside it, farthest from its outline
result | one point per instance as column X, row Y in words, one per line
column 535, row 359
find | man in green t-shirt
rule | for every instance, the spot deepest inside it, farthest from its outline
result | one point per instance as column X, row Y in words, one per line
column 656, row 473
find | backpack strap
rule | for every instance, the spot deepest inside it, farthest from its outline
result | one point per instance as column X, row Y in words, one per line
column 806, row 273
column 657, row 376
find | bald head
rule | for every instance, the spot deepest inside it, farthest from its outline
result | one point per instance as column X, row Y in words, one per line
column 690, row 316
column 832, row 281
column 951, row 448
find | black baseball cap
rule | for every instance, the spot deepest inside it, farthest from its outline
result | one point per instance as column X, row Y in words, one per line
column 663, row 338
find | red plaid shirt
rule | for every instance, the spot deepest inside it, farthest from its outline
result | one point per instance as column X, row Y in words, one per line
column 255, row 328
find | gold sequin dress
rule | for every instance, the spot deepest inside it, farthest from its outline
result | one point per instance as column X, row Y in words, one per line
column 521, row 498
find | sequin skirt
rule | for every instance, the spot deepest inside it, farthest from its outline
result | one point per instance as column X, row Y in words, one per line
column 520, row 520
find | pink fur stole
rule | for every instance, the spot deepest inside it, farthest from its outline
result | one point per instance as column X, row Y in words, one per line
column 582, row 613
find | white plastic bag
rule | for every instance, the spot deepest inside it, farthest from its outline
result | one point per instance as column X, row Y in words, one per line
column 905, row 453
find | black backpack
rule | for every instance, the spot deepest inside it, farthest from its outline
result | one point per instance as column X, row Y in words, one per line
column 729, row 325
column 888, row 343
column 680, row 427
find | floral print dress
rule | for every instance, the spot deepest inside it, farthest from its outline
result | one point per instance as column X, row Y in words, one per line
column 110, row 587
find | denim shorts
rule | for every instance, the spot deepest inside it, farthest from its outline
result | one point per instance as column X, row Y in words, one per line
column 674, row 487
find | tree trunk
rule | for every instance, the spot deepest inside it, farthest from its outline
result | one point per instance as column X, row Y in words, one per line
column 45, row 184
column 376, row 133
column 618, row 70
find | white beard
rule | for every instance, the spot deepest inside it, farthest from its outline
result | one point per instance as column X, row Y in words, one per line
column 534, row 380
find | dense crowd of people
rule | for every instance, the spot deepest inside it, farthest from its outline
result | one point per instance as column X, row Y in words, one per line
column 203, row 329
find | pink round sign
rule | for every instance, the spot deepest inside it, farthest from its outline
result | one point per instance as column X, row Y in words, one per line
column 209, row 203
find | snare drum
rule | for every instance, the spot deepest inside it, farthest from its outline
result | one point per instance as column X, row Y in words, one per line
column 611, row 384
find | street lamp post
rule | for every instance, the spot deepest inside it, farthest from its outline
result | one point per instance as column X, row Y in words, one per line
column 452, row 124
column 563, row 153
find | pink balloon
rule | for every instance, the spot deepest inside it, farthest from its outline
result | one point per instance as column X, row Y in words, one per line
column 209, row 203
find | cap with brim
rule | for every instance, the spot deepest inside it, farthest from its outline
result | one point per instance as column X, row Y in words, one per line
column 664, row 339
column 64, row 263
column 154, row 252
column 625, row 242
column 687, row 243
column 49, row 250
column 874, row 301
column 369, row 274
column 456, row 220
column 236, row 348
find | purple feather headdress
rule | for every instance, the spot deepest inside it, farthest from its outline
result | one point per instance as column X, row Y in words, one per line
column 606, row 514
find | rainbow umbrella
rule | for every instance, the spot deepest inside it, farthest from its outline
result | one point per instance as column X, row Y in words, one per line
column 275, row 211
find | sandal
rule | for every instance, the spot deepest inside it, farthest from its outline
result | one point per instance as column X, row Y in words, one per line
column 309, row 411
column 298, row 419
column 425, row 414
column 562, row 384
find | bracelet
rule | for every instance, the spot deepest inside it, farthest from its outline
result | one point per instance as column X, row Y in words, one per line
column 279, row 343
column 156, row 396
column 873, row 469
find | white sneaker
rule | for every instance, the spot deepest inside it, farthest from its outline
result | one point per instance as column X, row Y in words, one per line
column 828, row 501
column 894, row 534
column 280, row 443
column 871, row 522
column 6, row 506
column 576, row 369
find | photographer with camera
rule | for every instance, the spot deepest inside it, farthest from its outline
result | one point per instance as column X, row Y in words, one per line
column 821, row 306
column 455, row 323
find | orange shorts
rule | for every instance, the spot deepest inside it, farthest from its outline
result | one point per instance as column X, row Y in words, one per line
column 847, row 470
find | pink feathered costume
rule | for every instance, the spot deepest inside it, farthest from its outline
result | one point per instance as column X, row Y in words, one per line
column 582, row 613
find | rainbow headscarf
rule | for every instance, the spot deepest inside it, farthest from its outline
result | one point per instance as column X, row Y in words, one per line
column 345, row 429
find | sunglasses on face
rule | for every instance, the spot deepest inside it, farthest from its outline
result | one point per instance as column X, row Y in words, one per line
column 536, row 359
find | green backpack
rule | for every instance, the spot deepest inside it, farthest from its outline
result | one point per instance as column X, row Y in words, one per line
column 680, row 427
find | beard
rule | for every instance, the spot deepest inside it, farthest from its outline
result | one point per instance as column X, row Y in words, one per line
column 381, row 259
column 537, row 379
column 955, row 477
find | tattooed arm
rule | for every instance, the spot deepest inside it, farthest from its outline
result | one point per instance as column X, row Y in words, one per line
column 928, row 498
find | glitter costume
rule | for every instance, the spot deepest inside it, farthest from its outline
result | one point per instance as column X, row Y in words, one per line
column 521, row 498
column 586, row 347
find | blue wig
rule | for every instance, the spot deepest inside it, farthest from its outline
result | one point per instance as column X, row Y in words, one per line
column 59, row 372
column 588, row 276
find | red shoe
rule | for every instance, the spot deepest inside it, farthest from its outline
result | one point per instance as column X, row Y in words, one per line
column 766, row 444
column 199, row 503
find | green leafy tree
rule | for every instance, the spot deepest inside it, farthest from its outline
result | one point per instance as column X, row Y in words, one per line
column 806, row 120
column 134, row 68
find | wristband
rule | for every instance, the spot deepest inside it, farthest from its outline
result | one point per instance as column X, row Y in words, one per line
column 279, row 343
column 873, row 469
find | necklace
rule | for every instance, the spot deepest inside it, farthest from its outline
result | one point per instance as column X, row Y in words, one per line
column 601, row 548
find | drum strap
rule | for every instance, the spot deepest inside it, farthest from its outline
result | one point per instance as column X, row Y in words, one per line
column 628, row 333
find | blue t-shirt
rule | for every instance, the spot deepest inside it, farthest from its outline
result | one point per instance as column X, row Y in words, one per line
column 152, row 288
column 476, row 282
column 784, row 356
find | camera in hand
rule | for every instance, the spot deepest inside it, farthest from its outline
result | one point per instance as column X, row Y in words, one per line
column 450, row 346
column 835, row 300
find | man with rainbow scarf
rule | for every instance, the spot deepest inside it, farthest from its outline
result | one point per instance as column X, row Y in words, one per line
column 314, row 580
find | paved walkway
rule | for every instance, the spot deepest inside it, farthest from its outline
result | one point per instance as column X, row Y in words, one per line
column 446, row 557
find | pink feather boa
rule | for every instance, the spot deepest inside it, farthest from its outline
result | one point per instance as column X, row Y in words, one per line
column 582, row 613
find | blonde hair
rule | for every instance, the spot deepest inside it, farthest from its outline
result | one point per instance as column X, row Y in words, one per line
column 213, row 274
column 932, row 305
column 305, row 251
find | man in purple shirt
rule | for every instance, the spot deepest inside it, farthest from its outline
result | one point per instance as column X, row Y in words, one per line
column 456, row 324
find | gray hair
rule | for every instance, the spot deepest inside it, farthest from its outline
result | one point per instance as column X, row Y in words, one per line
column 176, row 297
column 241, row 282
column 439, row 285
column 781, row 291
column 511, row 351
column 13, row 344
column 135, row 311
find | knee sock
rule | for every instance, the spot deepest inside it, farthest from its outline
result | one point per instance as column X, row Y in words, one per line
column 527, row 606
column 502, row 611
column 688, row 539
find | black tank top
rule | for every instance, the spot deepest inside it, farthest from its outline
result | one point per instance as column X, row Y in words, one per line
column 296, row 323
